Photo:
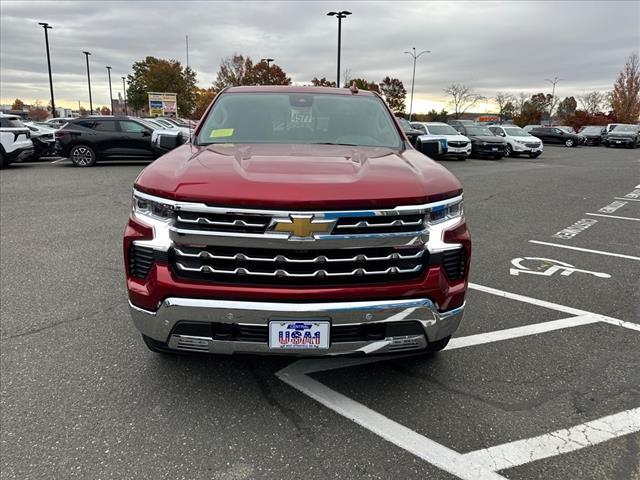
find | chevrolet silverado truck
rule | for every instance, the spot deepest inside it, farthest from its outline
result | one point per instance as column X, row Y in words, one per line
column 298, row 221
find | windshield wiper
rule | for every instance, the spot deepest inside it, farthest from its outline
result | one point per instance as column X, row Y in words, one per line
column 334, row 143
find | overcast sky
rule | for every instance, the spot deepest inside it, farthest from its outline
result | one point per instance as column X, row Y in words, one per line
column 492, row 46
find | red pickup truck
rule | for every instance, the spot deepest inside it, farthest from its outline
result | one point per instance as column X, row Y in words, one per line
column 299, row 221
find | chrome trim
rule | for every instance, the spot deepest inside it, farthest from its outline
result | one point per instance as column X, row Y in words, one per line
column 283, row 273
column 159, row 324
column 234, row 223
column 394, row 223
column 282, row 258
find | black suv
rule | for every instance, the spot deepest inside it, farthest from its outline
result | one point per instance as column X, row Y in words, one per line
column 484, row 143
column 556, row 135
column 89, row 139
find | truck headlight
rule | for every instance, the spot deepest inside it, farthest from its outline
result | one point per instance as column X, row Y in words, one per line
column 151, row 208
column 444, row 212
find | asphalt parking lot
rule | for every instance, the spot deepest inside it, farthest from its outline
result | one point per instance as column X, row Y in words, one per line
column 541, row 382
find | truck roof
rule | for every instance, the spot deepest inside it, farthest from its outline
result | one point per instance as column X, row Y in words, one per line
column 295, row 89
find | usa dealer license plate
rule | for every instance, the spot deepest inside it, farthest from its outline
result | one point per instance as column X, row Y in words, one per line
column 299, row 335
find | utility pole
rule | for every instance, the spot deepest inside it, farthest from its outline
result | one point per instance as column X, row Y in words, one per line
column 124, row 89
column 86, row 54
column 110, row 91
column 553, row 94
column 46, row 27
column 413, row 77
column 340, row 16
column 268, row 60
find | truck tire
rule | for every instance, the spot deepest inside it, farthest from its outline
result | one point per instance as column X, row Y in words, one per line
column 82, row 156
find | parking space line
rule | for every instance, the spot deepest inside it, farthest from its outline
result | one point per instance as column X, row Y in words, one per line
column 613, row 216
column 591, row 433
column 629, row 199
column 524, row 331
column 405, row 438
column 580, row 249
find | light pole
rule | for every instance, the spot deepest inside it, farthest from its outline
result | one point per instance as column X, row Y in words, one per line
column 553, row 94
column 46, row 41
column 110, row 91
column 124, row 89
column 86, row 54
column 413, row 77
column 340, row 16
column 268, row 60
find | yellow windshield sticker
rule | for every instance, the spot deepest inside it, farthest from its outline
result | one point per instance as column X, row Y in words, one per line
column 221, row 132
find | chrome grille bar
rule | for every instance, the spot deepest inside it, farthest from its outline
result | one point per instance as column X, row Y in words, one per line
column 394, row 223
column 282, row 258
column 231, row 223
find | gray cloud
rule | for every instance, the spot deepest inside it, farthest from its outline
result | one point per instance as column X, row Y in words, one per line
column 511, row 45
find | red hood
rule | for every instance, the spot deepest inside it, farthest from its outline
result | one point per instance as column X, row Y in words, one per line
column 297, row 176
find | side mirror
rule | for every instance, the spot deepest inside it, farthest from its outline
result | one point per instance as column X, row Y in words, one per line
column 146, row 133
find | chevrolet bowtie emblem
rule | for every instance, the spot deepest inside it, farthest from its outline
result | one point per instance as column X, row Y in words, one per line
column 302, row 226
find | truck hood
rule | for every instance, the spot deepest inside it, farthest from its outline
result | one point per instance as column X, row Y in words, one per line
column 298, row 176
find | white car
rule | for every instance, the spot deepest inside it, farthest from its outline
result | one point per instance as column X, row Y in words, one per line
column 518, row 141
column 458, row 146
column 15, row 140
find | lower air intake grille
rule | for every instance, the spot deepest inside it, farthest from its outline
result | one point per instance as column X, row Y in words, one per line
column 453, row 262
column 140, row 260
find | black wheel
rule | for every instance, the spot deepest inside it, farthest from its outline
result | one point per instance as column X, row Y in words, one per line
column 439, row 345
column 569, row 142
column 82, row 156
column 2, row 160
column 508, row 151
column 156, row 346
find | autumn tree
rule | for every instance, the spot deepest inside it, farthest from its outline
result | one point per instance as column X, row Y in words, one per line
column 435, row 116
column 567, row 107
column 394, row 93
column 37, row 112
column 17, row 104
column 625, row 99
column 239, row 70
column 322, row 82
column 82, row 112
column 160, row 75
column 463, row 98
column 273, row 76
column 504, row 101
column 105, row 111
column 591, row 102
column 204, row 97
column 363, row 84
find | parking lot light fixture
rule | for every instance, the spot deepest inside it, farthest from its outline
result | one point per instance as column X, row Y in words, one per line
column 268, row 60
column 46, row 27
column 110, row 91
column 339, row 15
column 124, row 94
column 86, row 54
column 413, row 77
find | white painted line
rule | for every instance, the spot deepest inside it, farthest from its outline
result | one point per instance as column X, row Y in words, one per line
column 579, row 249
column 551, row 444
column 59, row 160
column 523, row 331
column 613, row 216
column 553, row 306
column 405, row 438
column 631, row 199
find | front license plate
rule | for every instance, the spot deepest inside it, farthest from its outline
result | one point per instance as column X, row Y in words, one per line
column 285, row 335
column 618, row 141
column 494, row 149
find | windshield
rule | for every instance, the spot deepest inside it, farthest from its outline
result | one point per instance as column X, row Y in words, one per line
column 516, row 132
column 442, row 130
column 479, row 131
column 150, row 124
column 567, row 129
column 404, row 123
column 298, row 118
column 592, row 130
column 11, row 122
column 625, row 128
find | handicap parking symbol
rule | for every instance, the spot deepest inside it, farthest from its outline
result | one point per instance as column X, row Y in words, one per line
column 548, row 267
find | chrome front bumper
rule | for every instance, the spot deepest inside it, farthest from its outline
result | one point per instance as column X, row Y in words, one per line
column 158, row 325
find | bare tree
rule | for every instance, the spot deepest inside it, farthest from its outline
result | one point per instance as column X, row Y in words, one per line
column 591, row 102
column 463, row 98
column 502, row 99
column 520, row 100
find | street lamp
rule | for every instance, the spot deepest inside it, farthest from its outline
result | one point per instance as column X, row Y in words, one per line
column 124, row 89
column 268, row 60
column 413, row 78
column 86, row 54
column 340, row 16
column 553, row 94
column 110, row 91
column 46, row 40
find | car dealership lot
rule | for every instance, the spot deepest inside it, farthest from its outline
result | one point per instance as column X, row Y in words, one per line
column 83, row 398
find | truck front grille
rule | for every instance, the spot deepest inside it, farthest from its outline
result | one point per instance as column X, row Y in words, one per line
column 458, row 144
column 222, row 222
column 297, row 267
column 396, row 223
